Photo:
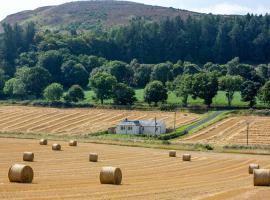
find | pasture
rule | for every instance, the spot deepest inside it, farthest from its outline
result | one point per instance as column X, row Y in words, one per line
column 147, row 173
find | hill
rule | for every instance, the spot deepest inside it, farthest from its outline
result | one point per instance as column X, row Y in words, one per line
column 93, row 14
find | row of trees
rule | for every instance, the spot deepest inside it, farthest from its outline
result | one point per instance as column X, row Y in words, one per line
column 30, row 61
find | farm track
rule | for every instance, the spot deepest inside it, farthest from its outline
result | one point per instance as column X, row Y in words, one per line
column 234, row 131
column 147, row 173
column 22, row 119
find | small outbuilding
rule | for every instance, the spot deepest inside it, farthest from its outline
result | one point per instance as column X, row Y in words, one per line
column 145, row 127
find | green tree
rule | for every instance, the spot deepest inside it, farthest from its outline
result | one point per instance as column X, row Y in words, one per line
column 230, row 84
column 142, row 75
column 205, row 86
column 121, row 71
column 36, row 80
column 183, row 85
column 264, row 93
column 75, row 94
column 155, row 92
column 52, row 61
column 249, row 91
column 162, row 72
column 190, row 68
column 263, row 71
column 123, row 94
column 102, row 83
column 15, row 88
column 74, row 73
column 53, row 92
column 8, row 88
column 2, row 81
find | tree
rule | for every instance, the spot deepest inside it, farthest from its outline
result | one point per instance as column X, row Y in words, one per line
column 183, row 86
column 142, row 75
column 102, row 83
column 52, row 61
column 28, row 59
column 2, row 81
column 53, row 92
column 205, row 86
column 178, row 68
column 263, row 71
column 162, row 72
column 36, row 80
column 155, row 92
column 74, row 73
column 121, row 71
column 123, row 94
column 15, row 88
column 249, row 91
column 230, row 84
column 8, row 88
column 91, row 62
column 264, row 93
column 190, row 68
column 75, row 94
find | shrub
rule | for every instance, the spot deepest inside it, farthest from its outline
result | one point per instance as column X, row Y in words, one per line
column 74, row 94
column 53, row 92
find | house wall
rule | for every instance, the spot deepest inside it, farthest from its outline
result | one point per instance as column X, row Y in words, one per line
column 128, row 129
column 150, row 130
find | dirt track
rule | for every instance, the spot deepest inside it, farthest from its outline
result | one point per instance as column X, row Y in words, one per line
column 234, row 131
column 147, row 174
column 76, row 121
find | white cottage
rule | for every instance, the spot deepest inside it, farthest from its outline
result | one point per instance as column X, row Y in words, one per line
column 146, row 127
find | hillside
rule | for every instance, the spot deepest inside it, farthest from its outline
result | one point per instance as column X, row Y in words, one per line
column 93, row 14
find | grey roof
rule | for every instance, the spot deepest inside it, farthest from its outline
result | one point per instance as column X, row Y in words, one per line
column 142, row 122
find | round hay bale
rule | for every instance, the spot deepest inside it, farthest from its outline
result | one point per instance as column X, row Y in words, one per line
column 56, row 147
column 20, row 173
column 28, row 156
column 110, row 175
column 186, row 157
column 172, row 153
column 261, row 177
column 43, row 142
column 93, row 157
column 73, row 143
column 251, row 167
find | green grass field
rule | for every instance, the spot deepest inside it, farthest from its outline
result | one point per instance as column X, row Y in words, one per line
column 219, row 100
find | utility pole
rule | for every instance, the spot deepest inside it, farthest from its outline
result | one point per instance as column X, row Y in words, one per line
column 247, row 132
column 155, row 125
column 174, row 122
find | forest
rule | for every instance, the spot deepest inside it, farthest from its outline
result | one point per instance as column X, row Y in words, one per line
column 194, row 58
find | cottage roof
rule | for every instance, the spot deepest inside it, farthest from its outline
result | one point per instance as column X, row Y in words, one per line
column 141, row 123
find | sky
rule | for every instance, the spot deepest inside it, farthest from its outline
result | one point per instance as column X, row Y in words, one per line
column 8, row 7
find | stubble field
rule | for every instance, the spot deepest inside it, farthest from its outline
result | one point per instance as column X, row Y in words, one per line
column 234, row 131
column 20, row 119
column 147, row 174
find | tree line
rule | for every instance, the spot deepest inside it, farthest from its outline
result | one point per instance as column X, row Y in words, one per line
column 37, row 64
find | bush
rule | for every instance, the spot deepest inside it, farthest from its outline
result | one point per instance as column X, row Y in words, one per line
column 53, row 92
column 173, row 135
column 168, row 107
column 74, row 94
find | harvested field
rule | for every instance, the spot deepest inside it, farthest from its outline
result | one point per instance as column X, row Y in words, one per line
column 234, row 131
column 77, row 121
column 147, row 174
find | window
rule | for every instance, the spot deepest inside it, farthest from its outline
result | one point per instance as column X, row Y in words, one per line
column 129, row 128
column 122, row 128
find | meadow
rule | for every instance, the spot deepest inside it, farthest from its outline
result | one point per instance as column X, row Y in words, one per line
column 219, row 100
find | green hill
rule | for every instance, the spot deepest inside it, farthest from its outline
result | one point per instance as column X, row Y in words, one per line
column 86, row 15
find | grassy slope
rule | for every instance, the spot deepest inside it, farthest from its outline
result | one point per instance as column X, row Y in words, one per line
column 219, row 100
